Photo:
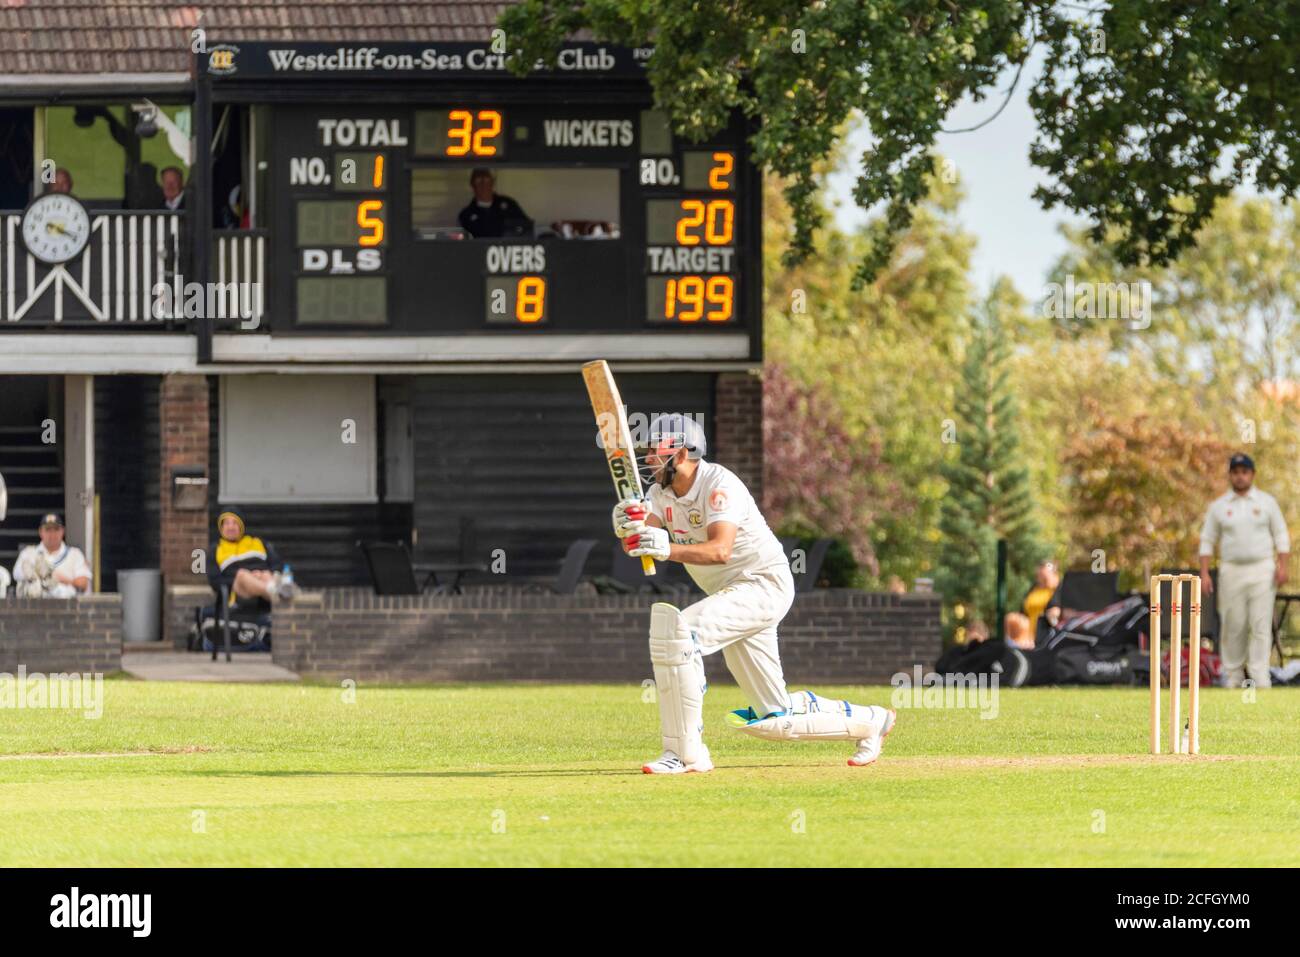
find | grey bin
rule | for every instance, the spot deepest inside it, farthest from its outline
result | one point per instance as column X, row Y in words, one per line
column 141, row 590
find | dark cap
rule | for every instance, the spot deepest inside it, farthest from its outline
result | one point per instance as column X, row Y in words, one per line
column 50, row 518
column 1241, row 461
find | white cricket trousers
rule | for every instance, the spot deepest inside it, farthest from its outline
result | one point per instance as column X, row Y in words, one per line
column 740, row 621
column 1245, row 601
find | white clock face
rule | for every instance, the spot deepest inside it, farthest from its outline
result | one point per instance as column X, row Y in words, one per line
column 56, row 228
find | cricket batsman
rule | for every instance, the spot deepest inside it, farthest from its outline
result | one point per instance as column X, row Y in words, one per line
column 701, row 514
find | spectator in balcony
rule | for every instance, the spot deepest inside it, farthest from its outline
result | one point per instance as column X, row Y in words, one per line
column 62, row 181
column 246, row 565
column 52, row 569
column 234, row 215
column 142, row 189
column 490, row 215
column 173, row 188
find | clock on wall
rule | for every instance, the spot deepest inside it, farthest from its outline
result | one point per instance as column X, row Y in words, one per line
column 56, row 228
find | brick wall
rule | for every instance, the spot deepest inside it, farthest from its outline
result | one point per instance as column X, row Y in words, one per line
column 183, row 421
column 737, row 441
column 179, row 602
column 830, row 636
column 50, row 635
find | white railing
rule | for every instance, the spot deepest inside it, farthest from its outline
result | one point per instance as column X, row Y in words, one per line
column 240, row 267
column 113, row 280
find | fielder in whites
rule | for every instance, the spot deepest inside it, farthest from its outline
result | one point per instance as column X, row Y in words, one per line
column 701, row 514
column 1247, row 526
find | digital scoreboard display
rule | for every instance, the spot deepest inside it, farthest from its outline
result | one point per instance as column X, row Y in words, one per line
column 505, row 209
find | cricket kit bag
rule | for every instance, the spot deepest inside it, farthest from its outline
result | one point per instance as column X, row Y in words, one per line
column 251, row 633
column 1211, row 666
column 1097, row 647
column 992, row 657
column 1118, row 625
column 1080, row 664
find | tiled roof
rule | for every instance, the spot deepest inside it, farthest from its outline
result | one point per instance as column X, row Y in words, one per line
column 140, row 36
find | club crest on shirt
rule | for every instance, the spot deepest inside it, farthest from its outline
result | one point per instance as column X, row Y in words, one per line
column 718, row 500
column 695, row 518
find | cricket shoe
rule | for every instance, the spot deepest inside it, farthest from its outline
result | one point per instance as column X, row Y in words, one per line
column 869, row 748
column 670, row 763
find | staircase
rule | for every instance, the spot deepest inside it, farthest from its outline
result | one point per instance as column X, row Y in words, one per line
column 35, row 480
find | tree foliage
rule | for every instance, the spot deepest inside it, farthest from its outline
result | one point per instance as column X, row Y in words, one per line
column 1149, row 110
column 989, row 496
column 1225, row 316
column 1140, row 484
column 815, row 475
column 879, row 353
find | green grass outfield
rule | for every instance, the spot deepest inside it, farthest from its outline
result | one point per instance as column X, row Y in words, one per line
column 549, row 775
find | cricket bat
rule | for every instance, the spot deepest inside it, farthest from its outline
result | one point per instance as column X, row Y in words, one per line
column 615, row 436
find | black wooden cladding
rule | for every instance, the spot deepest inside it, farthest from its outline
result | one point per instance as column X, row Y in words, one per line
column 518, row 454
column 127, row 473
column 515, row 453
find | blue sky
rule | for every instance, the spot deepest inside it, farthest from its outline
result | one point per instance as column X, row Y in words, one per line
column 1016, row 236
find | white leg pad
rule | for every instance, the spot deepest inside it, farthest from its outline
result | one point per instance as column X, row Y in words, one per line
column 679, row 678
column 825, row 719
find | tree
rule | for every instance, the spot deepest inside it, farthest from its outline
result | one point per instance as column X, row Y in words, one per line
column 989, row 495
column 1225, row 316
column 816, row 477
column 873, row 353
column 1140, row 484
column 1148, row 110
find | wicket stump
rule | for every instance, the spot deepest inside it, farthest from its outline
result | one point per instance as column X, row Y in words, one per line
column 1175, row 662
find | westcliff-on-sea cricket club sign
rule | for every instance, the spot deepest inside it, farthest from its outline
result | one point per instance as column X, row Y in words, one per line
column 372, row 146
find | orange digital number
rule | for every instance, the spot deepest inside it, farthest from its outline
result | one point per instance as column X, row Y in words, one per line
column 492, row 121
column 720, row 175
column 463, row 136
column 694, row 294
column 530, row 299
column 373, row 223
column 720, row 291
column 717, row 217
column 378, row 179
column 463, row 133
column 718, row 228
column 694, row 210
column 690, row 290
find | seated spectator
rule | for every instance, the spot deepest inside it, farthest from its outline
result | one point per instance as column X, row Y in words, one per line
column 490, row 215
column 1046, row 580
column 1018, row 632
column 52, row 569
column 246, row 565
column 894, row 585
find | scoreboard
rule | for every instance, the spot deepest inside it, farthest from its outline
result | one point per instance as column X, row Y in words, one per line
column 623, row 228
column 420, row 190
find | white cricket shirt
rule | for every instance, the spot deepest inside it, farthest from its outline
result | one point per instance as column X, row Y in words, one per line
column 717, row 495
column 1247, row 528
